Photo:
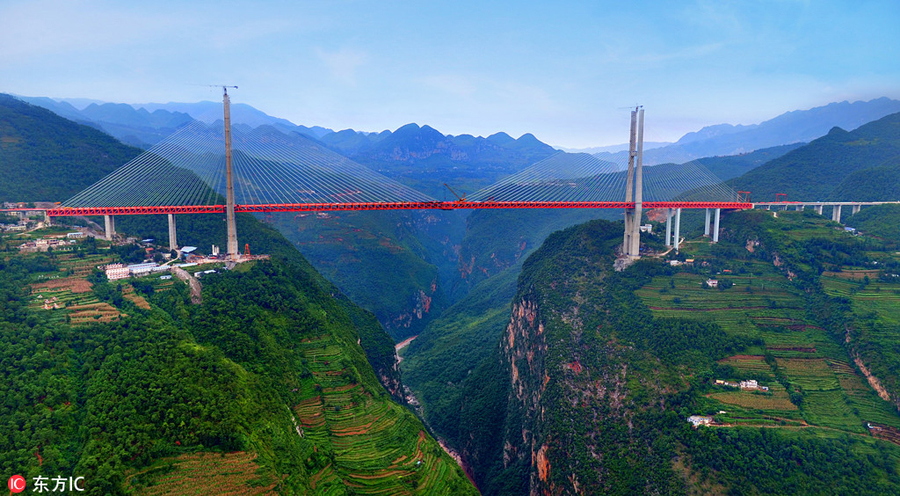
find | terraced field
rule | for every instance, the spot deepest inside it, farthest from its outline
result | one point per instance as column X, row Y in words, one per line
column 81, row 267
column 337, row 410
column 202, row 473
column 129, row 294
column 881, row 298
column 763, row 304
column 72, row 298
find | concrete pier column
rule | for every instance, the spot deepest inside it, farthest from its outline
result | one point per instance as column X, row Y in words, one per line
column 799, row 208
column 819, row 209
column 677, row 242
column 706, row 224
column 173, row 239
column 47, row 219
column 715, row 233
column 836, row 213
column 668, row 227
column 855, row 209
column 110, row 225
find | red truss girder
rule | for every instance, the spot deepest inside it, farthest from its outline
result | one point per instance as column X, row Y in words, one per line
column 326, row 207
column 675, row 204
column 174, row 209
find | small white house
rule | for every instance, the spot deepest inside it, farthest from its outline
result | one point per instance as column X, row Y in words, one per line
column 698, row 420
column 713, row 283
column 117, row 271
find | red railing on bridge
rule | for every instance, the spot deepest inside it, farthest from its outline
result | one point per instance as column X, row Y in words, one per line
column 332, row 207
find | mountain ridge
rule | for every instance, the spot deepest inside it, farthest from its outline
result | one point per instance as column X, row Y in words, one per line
column 787, row 128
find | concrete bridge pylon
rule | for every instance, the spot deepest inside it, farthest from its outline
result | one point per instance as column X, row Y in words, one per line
column 631, row 245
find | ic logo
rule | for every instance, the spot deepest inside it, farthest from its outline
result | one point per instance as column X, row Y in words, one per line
column 16, row 484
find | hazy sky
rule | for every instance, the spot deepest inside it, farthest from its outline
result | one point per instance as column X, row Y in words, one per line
column 564, row 71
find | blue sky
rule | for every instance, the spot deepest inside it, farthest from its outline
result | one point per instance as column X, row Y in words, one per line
column 565, row 71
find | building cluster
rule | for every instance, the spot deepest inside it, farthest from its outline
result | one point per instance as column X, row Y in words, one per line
column 698, row 420
column 748, row 385
column 46, row 243
column 122, row 271
column 51, row 303
column 676, row 263
column 36, row 217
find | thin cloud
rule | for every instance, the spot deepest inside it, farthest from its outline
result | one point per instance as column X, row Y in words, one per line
column 343, row 63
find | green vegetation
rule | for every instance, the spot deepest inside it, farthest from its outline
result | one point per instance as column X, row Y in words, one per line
column 881, row 221
column 46, row 157
column 861, row 157
column 262, row 387
column 599, row 370
column 873, row 184
column 378, row 259
column 731, row 166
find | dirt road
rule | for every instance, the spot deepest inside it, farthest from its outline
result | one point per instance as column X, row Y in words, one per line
column 196, row 288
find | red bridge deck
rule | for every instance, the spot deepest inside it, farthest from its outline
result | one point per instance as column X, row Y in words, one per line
column 331, row 207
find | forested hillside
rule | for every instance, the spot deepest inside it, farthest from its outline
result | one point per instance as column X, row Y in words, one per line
column 261, row 387
column 394, row 264
column 600, row 370
column 45, row 157
column 271, row 384
column 816, row 171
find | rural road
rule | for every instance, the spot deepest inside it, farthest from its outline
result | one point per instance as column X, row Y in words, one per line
column 196, row 288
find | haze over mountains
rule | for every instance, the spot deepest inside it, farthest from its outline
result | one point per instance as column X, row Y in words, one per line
column 791, row 127
column 144, row 124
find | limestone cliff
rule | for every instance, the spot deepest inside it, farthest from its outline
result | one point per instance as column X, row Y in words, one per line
column 581, row 400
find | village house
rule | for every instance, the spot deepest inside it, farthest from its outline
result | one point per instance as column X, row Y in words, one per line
column 713, row 283
column 117, row 271
column 752, row 385
column 698, row 420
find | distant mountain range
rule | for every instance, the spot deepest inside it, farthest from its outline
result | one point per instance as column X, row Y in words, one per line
column 145, row 124
column 843, row 165
column 792, row 127
column 46, row 157
column 648, row 145
column 424, row 158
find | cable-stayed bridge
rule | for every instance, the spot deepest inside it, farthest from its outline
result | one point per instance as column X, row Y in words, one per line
column 219, row 169
column 275, row 172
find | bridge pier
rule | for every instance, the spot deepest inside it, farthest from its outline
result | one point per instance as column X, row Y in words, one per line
column 706, row 223
column 818, row 209
column 668, row 227
column 836, row 213
column 800, row 208
column 110, row 225
column 855, row 209
column 716, row 228
column 677, row 229
column 173, row 240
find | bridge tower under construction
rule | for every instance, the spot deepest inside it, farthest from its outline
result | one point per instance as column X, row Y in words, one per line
column 631, row 246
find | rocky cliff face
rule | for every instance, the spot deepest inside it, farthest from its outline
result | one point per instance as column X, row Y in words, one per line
column 523, row 348
column 581, row 402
